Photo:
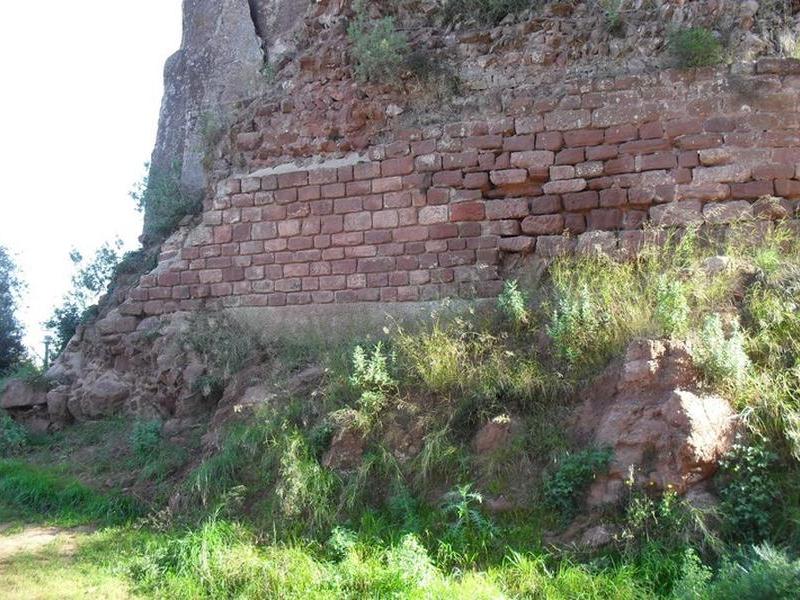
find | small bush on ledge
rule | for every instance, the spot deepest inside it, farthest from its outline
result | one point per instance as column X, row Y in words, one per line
column 379, row 50
column 695, row 47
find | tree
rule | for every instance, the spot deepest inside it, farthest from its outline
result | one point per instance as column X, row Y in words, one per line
column 91, row 279
column 12, row 350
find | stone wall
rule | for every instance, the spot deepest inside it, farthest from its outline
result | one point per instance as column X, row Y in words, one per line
column 436, row 211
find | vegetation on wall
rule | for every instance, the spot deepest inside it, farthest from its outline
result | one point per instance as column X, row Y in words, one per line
column 162, row 199
column 379, row 49
column 695, row 47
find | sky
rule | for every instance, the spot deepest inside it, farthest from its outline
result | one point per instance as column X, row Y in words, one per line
column 80, row 92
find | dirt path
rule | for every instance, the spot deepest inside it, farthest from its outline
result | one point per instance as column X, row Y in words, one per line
column 31, row 539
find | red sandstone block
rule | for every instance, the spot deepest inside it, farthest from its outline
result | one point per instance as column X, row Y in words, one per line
column 532, row 159
column 373, row 202
column 428, row 162
column 621, row 133
column 651, row 130
column 376, row 265
column 370, row 170
column 659, row 160
column 564, row 186
column 542, row 205
column 473, row 181
column 436, row 196
column 680, row 127
column 456, row 258
column 698, row 141
column 522, row 244
column 286, row 196
column 305, row 242
column 423, row 147
column 333, row 190
column 289, row 228
column 397, row 166
column 604, row 219
column 429, row 215
column 516, row 208
column 443, row 231
column 459, row 160
column 570, row 156
column 752, row 189
column 787, row 188
column 356, row 281
column 348, row 205
column 412, row 233
column 294, row 284
column 323, row 176
column 774, row 171
column 525, row 125
column 519, row 143
column 296, row 179
column 386, row 184
column 574, row 223
column 467, row 211
column 357, row 188
column 562, row 120
column 580, row 201
column 397, row 200
column 169, row 278
column 583, row 137
column 350, row 238
column 331, row 224
column 508, row 176
column 613, row 197
column 602, row 152
column 221, row 289
column 357, row 221
column 296, row 270
column 645, row 146
column 344, row 174
column 407, row 263
column 688, row 159
column 549, row 140
column 268, row 183
column 332, row 282
column 543, row 224
column 273, row 213
column 484, row 142
column 719, row 124
column 722, row 174
column 617, row 166
column 703, row 191
column 223, row 234
column 181, row 292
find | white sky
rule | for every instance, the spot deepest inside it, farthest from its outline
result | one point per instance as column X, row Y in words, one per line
column 80, row 89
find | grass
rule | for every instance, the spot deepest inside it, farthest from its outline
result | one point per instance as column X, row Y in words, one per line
column 263, row 517
column 64, row 501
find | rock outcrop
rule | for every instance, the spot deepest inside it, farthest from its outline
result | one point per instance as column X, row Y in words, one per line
column 225, row 46
column 664, row 430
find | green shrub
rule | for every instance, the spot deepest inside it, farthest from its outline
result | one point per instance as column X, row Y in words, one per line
column 146, row 439
column 484, row 12
column 721, row 359
column 467, row 523
column 13, row 437
column 513, row 303
column 372, row 379
column 763, row 573
column 695, row 47
column 672, row 306
column 564, row 489
column 378, row 48
column 225, row 345
column 748, row 492
column 163, row 200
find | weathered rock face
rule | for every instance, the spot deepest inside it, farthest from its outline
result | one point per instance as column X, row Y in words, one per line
column 665, row 432
column 18, row 394
column 220, row 62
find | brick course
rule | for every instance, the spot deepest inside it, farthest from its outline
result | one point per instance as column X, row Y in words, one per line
column 434, row 212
